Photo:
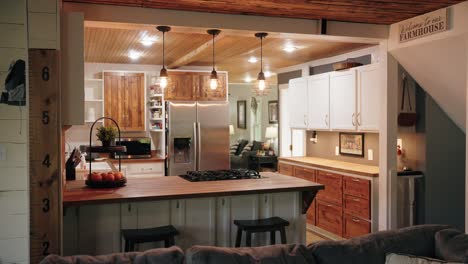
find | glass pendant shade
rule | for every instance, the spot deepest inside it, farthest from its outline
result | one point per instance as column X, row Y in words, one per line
column 214, row 80
column 261, row 85
column 163, row 78
column 214, row 75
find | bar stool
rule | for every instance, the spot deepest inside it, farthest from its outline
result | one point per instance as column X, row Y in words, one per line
column 271, row 225
column 136, row 236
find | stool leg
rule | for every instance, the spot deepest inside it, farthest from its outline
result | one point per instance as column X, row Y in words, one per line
column 167, row 243
column 248, row 239
column 131, row 246
column 238, row 237
column 272, row 237
column 172, row 241
column 283, row 235
column 127, row 246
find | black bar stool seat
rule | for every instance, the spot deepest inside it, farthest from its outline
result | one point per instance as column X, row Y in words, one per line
column 144, row 235
column 271, row 225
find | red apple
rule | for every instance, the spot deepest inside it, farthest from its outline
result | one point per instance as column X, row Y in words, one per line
column 118, row 176
column 96, row 177
column 108, row 177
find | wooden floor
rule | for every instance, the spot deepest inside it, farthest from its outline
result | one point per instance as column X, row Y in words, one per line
column 312, row 237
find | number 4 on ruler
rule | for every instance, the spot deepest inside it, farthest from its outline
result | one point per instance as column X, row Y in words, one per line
column 46, row 161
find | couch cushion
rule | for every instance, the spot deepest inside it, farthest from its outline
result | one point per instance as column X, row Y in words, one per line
column 257, row 145
column 452, row 245
column 233, row 148
column 408, row 259
column 172, row 255
column 241, row 146
column 372, row 248
column 276, row 254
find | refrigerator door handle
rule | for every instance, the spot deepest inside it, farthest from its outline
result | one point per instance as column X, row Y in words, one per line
column 195, row 145
column 198, row 147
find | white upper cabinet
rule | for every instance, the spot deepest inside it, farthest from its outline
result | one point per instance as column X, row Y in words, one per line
column 343, row 100
column 368, row 98
column 298, row 107
column 318, row 94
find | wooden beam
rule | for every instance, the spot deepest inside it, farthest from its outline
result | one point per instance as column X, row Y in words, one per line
column 192, row 55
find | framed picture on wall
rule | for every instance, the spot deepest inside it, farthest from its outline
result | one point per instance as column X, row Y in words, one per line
column 242, row 114
column 352, row 144
column 273, row 112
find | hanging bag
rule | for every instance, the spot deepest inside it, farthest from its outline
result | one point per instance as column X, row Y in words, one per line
column 406, row 119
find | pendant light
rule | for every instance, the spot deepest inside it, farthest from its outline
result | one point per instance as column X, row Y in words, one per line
column 163, row 77
column 261, row 82
column 214, row 74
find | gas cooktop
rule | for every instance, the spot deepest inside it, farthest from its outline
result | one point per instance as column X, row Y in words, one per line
column 218, row 175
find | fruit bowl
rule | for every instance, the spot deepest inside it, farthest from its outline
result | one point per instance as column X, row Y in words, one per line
column 106, row 180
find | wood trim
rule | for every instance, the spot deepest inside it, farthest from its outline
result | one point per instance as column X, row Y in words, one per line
column 192, row 55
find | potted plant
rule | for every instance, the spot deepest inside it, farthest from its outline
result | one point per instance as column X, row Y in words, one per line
column 106, row 135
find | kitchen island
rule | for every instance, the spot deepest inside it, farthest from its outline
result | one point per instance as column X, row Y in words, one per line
column 203, row 212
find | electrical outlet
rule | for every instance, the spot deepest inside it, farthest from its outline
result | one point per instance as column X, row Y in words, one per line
column 337, row 150
column 3, row 152
column 370, row 154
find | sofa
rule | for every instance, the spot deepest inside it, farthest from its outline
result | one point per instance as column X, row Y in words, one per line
column 241, row 152
column 430, row 241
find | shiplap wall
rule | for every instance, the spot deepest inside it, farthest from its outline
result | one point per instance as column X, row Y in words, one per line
column 14, row 194
column 13, row 138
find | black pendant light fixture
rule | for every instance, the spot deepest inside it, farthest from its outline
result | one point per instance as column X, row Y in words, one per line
column 214, row 74
column 163, row 77
column 261, row 82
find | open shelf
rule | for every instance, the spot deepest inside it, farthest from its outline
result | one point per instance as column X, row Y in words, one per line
column 93, row 80
column 156, row 130
column 155, row 107
column 157, row 95
column 156, row 119
column 101, row 149
column 94, row 100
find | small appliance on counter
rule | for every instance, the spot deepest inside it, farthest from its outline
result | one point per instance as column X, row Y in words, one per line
column 137, row 148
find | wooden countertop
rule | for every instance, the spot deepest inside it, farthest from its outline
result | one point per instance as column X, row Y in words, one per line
column 175, row 187
column 347, row 167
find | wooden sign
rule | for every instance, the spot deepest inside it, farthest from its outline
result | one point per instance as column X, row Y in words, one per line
column 44, row 154
column 424, row 25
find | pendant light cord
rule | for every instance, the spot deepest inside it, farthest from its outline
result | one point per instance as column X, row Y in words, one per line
column 164, row 41
column 261, row 54
column 213, row 52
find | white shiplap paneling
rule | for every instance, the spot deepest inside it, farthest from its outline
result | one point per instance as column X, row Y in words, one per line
column 8, row 112
column 42, row 30
column 13, row 178
column 13, row 131
column 8, row 55
column 13, row 202
column 14, row 250
column 14, row 36
column 16, row 224
column 42, row 6
column 16, row 156
column 12, row 12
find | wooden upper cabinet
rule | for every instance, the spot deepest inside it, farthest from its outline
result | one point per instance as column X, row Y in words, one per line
column 204, row 92
column 181, row 86
column 124, row 100
column 191, row 86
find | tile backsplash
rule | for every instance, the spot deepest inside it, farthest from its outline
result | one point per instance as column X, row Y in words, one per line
column 327, row 142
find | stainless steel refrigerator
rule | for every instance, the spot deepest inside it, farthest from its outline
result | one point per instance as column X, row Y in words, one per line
column 198, row 136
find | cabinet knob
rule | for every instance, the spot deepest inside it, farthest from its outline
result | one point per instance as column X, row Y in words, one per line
column 356, row 220
column 358, row 118
column 353, row 119
column 356, row 199
column 356, row 180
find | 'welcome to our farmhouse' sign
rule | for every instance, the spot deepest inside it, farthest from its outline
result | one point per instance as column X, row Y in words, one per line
column 423, row 25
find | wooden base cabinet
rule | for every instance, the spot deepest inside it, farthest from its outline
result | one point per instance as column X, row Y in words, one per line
column 285, row 169
column 307, row 174
column 355, row 226
column 330, row 217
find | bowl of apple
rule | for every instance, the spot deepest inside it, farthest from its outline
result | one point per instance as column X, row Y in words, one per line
column 106, row 180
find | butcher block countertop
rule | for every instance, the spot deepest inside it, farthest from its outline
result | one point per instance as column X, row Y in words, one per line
column 341, row 166
column 175, row 187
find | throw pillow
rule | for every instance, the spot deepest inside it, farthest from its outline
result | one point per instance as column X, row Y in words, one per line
column 256, row 145
column 408, row 259
column 451, row 244
column 234, row 148
column 242, row 144
column 247, row 148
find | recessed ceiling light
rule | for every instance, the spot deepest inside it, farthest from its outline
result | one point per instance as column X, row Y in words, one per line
column 268, row 74
column 147, row 40
column 289, row 48
column 247, row 79
column 252, row 59
column 134, row 55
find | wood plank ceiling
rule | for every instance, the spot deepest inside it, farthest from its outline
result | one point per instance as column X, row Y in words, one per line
column 112, row 42
column 361, row 11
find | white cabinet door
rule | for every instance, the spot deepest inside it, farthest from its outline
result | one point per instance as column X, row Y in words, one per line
column 145, row 169
column 318, row 94
column 298, row 103
column 223, row 222
column 200, row 217
column 343, row 100
column 369, row 87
